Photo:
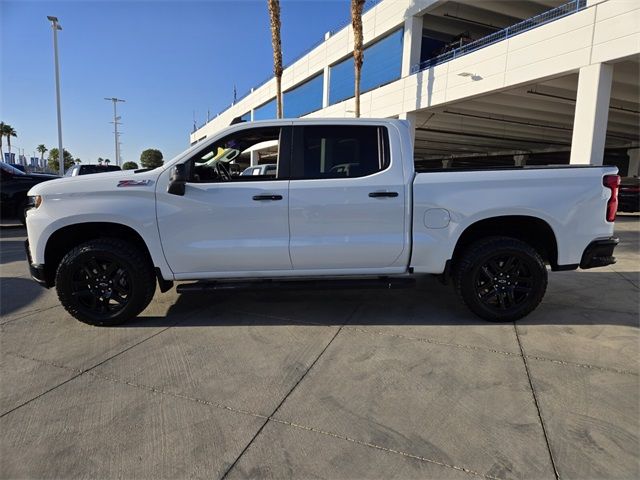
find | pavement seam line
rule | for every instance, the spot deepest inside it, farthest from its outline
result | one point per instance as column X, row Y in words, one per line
column 83, row 371
column 240, row 411
column 28, row 314
column 627, row 279
column 491, row 350
column 537, row 404
column 289, row 393
column 435, row 341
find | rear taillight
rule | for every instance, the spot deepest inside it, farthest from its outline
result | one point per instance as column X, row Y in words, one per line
column 612, row 182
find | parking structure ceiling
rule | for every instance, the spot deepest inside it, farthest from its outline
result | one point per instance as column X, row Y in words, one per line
column 535, row 118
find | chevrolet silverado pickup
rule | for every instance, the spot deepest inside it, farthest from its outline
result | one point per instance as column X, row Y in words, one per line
column 344, row 206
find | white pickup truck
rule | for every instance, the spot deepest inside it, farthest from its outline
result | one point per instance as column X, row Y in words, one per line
column 344, row 207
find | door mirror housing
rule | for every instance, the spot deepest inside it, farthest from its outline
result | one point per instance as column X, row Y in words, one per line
column 178, row 180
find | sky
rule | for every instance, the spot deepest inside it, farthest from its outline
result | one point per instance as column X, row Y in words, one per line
column 167, row 59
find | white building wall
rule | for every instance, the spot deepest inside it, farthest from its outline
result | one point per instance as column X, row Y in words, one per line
column 605, row 31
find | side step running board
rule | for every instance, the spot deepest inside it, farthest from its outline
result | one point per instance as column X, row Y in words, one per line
column 212, row 286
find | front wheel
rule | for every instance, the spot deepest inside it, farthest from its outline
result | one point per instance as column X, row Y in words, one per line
column 105, row 281
column 501, row 279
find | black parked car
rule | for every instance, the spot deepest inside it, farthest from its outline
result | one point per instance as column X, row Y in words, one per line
column 629, row 195
column 14, row 186
column 89, row 169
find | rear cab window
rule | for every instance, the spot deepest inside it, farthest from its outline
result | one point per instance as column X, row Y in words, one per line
column 339, row 151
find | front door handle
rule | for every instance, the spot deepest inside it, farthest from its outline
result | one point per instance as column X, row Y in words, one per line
column 383, row 194
column 267, row 197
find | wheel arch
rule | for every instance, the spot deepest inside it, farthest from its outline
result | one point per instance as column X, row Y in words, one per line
column 67, row 237
column 531, row 230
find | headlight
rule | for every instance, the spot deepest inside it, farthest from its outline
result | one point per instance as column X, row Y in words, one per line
column 34, row 201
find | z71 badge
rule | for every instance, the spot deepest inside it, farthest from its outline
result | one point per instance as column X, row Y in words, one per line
column 134, row 183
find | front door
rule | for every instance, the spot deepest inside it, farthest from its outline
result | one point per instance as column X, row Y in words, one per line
column 224, row 224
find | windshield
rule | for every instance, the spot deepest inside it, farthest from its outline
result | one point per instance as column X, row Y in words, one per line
column 9, row 169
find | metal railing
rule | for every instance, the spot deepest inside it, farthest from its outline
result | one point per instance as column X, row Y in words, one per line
column 509, row 32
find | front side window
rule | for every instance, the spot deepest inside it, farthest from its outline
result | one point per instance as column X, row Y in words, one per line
column 229, row 159
column 340, row 151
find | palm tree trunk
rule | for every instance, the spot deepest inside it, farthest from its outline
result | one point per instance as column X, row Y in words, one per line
column 358, row 52
column 274, row 16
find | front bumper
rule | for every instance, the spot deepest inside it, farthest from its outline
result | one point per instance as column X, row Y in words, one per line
column 37, row 271
column 599, row 253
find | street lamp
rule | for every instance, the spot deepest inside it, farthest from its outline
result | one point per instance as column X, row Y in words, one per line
column 55, row 26
column 115, row 126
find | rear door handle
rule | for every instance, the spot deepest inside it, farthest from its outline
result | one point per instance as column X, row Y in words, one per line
column 267, row 197
column 383, row 194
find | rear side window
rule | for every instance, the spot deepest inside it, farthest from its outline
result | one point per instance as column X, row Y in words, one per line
column 342, row 151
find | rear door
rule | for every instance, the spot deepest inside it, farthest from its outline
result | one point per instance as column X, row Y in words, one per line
column 346, row 199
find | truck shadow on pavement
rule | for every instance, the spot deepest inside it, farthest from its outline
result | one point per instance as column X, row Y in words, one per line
column 12, row 251
column 430, row 303
column 16, row 293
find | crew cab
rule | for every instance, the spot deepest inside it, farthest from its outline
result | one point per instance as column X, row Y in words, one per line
column 346, row 204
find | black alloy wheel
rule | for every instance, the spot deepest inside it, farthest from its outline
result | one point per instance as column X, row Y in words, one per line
column 500, row 279
column 504, row 281
column 105, row 281
column 102, row 286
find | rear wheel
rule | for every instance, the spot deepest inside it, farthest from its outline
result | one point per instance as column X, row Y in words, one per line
column 105, row 282
column 501, row 279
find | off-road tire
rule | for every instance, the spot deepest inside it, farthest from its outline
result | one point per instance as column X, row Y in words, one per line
column 137, row 276
column 477, row 290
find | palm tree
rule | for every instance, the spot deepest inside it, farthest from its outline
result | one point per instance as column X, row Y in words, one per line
column 107, row 161
column 358, row 52
column 42, row 150
column 100, row 160
column 9, row 132
column 2, row 124
column 274, row 15
column 77, row 161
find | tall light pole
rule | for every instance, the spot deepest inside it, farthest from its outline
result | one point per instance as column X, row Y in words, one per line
column 115, row 126
column 55, row 26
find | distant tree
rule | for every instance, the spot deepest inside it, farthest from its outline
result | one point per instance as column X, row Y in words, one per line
column 151, row 158
column 8, row 131
column 358, row 51
column 129, row 166
column 100, row 160
column 53, row 162
column 276, row 43
column 2, row 124
column 78, row 161
column 42, row 150
column 107, row 161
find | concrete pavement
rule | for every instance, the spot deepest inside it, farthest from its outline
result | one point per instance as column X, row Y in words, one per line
column 354, row 384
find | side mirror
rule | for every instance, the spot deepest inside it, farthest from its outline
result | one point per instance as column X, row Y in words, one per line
column 178, row 180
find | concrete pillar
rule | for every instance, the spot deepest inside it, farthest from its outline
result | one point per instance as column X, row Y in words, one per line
column 634, row 162
column 253, row 158
column 520, row 160
column 592, row 114
column 411, row 44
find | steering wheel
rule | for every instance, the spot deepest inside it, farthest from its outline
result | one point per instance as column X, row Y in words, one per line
column 222, row 171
